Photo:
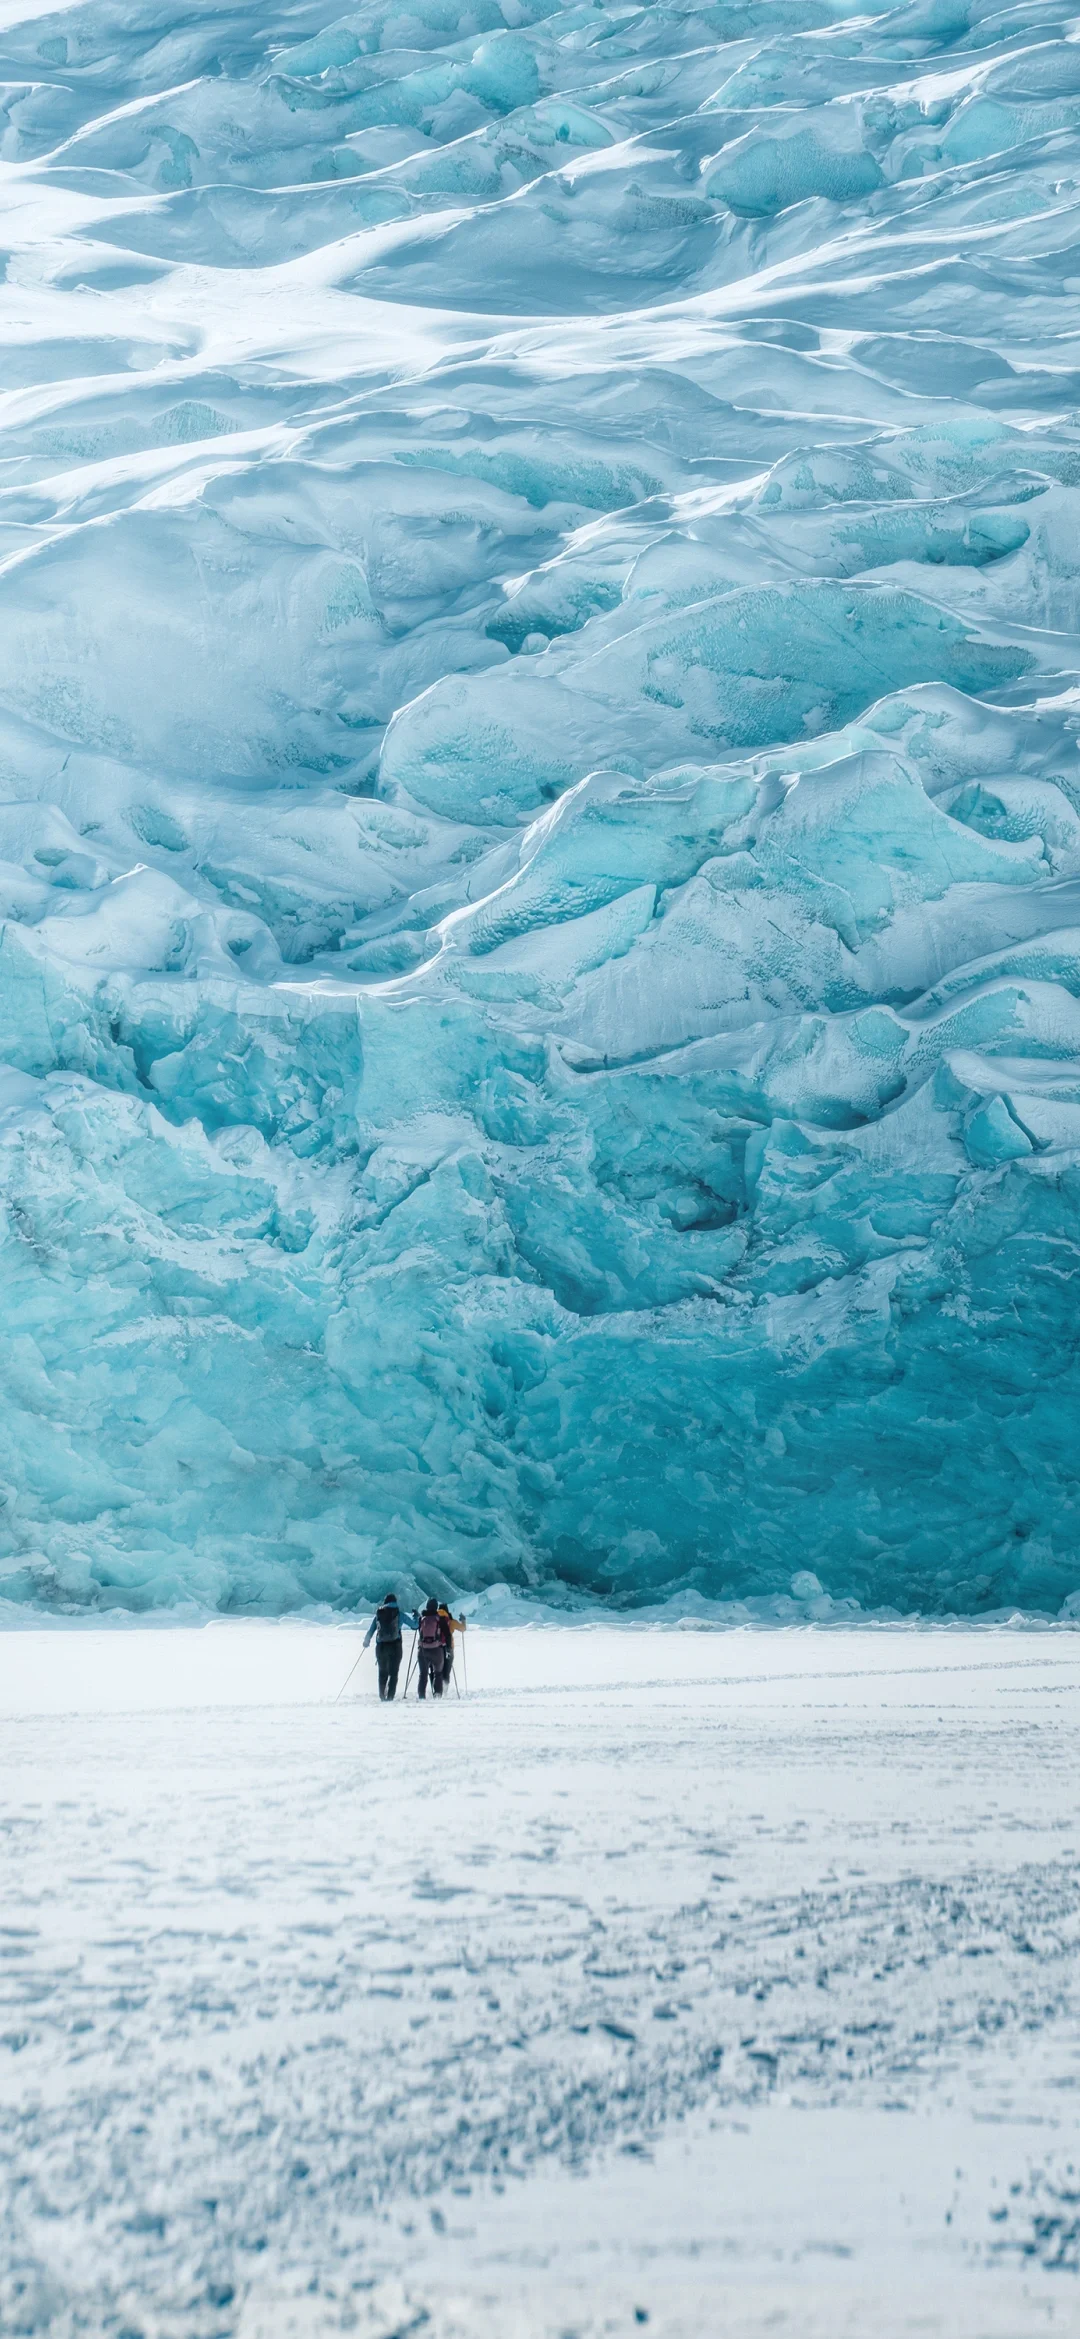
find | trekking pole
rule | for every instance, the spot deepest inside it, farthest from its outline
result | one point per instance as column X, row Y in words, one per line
column 465, row 1664
column 347, row 1680
column 409, row 1667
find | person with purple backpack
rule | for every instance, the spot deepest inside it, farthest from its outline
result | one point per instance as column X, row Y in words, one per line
column 431, row 1650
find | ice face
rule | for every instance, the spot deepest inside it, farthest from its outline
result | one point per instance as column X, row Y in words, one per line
column 539, row 803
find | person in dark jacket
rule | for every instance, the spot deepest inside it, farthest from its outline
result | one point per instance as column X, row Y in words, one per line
column 386, row 1627
column 431, row 1651
column 451, row 1625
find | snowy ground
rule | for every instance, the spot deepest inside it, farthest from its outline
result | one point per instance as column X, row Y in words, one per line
column 719, row 1983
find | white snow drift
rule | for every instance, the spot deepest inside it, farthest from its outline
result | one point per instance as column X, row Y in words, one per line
column 676, row 1981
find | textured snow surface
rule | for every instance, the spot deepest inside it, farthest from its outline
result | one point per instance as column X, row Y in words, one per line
column 539, row 800
column 729, row 1980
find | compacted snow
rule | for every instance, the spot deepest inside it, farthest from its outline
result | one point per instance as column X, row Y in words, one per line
column 539, row 800
column 712, row 1983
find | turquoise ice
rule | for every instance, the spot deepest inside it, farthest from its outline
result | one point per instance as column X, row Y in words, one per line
column 539, row 805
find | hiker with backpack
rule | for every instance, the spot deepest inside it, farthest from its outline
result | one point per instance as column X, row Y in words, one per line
column 386, row 1627
column 431, row 1650
column 450, row 1624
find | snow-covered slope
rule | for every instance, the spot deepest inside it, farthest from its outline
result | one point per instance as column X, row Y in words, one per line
column 539, row 800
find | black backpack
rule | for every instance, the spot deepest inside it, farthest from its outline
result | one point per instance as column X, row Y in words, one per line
column 431, row 1632
column 388, row 1619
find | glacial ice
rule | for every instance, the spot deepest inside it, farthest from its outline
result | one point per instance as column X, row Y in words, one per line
column 539, row 803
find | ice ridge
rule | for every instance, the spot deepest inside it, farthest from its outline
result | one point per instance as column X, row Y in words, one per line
column 539, row 802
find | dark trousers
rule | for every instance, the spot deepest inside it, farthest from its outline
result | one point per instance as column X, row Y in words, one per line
column 431, row 1662
column 388, row 1659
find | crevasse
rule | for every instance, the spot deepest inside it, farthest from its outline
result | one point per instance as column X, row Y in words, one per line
column 539, row 802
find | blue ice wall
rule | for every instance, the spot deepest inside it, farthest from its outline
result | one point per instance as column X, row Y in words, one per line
column 539, row 801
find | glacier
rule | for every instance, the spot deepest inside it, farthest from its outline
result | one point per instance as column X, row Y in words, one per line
column 539, row 804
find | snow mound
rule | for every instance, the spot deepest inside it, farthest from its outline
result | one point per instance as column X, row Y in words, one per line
column 539, row 806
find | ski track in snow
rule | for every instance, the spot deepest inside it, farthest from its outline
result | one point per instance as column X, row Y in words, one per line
column 297, row 1999
column 539, row 804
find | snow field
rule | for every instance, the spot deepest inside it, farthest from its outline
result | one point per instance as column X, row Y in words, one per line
column 724, row 1979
